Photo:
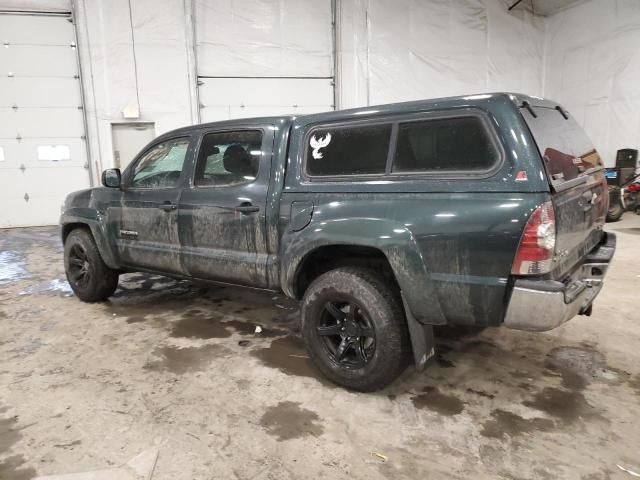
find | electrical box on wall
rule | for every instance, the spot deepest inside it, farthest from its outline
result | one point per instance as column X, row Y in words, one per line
column 131, row 112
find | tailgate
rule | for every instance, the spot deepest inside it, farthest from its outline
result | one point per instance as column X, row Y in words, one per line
column 577, row 180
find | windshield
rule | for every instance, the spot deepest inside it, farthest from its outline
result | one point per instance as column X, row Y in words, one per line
column 567, row 151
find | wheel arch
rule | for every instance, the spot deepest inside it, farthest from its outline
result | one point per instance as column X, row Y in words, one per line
column 397, row 256
column 331, row 256
column 68, row 223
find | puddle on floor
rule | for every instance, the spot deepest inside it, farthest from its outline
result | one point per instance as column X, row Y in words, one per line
column 55, row 286
column 183, row 360
column 197, row 324
column 205, row 325
column 579, row 366
column 567, row 406
column 12, row 466
column 12, row 267
column 288, row 355
column 288, row 420
column 503, row 423
column 8, row 434
column 432, row 399
column 156, row 305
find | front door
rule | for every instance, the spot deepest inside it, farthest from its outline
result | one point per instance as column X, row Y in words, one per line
column 223, row 211
column 146, row 221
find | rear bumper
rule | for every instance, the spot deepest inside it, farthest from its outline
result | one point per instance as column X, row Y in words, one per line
column 539, row 305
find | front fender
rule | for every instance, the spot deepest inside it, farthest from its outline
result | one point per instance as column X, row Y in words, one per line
column 93, row 219
column 393, row 239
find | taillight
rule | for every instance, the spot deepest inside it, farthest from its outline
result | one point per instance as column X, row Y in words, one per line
column 538, row 243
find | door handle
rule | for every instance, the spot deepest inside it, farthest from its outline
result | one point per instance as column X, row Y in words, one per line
column 246, row 207
column 168, row 206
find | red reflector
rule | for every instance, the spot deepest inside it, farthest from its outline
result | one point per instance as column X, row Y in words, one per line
column 537, row 244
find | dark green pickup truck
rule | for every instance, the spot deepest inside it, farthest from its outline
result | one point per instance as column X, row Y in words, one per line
column 383, row 221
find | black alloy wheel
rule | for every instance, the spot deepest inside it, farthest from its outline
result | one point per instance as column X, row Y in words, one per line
column 79, row 266
column 347, row 333
column 89, row 277
column 354, row 328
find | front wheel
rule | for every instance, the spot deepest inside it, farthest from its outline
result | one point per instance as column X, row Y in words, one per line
column 89, row 277
column 354, row 329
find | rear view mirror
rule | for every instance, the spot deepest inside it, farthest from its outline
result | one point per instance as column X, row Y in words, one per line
column 111, row 178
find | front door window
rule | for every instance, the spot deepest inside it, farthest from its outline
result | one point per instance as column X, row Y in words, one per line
column 161, row 166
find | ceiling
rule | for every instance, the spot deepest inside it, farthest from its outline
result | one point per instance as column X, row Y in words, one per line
column 545, row 7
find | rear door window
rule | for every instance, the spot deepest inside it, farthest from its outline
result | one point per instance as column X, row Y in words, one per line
column 348, row 150
column 567, row 151
column 445, row 144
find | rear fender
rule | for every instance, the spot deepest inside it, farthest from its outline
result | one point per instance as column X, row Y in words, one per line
column 394, row 240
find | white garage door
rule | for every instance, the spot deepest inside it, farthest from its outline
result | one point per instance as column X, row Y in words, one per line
column 42, row 146
column 267, row 57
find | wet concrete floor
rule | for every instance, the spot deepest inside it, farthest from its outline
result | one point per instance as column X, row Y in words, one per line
column 176, row 366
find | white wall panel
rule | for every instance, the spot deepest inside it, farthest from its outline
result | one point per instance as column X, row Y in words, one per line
column 515, row 50
column 413, row 49
column 36, row 5
column 40, row 91
column 27, row 30
column 45, row 60
column 226, row 98
column 133, row 58
column 160, row 41
column 41, row 122
column 36, row 195
column 352, row 49
column 593, row 68
column 262, row 38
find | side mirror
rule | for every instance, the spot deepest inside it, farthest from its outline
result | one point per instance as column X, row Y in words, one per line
column 111, row 178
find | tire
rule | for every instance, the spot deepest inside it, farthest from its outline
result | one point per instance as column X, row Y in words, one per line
column 354, row 329
column 615, row 212
column 89, row 277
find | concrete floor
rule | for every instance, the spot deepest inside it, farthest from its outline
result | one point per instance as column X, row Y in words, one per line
column 170, row 368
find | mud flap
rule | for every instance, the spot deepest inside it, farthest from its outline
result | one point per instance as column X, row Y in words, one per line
column 422, row 339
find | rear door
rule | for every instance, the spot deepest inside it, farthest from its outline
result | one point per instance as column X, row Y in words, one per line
column 146, row 221
column 223, row 210
column 577, row 179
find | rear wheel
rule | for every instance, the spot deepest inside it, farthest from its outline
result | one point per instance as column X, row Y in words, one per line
column 89, row 277
column 354, row 329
